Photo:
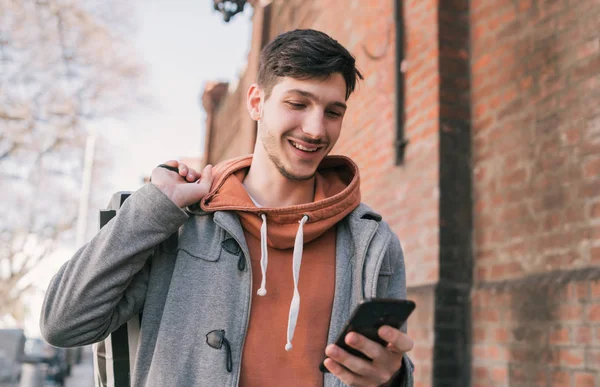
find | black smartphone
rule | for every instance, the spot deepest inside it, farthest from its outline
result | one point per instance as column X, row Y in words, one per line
column 368, row 317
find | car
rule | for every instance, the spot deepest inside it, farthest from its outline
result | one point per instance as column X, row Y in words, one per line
column 12, row 342
column 55, row 359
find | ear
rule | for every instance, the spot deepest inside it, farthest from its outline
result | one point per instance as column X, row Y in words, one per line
column 254, row 101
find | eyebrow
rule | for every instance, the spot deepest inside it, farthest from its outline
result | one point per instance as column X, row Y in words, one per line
column 310, row 95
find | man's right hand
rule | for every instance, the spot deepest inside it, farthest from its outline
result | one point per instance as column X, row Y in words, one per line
column 185, row 188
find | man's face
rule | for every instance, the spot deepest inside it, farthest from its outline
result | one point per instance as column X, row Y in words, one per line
column 301, row 122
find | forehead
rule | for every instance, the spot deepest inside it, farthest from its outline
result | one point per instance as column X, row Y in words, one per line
column 326, row 90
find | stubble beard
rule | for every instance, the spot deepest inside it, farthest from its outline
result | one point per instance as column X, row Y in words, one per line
column 270, row 145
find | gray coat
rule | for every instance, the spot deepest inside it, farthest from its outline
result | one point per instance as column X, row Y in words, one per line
column 187, row 290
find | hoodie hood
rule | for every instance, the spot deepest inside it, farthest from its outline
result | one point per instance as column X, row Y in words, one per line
column 337, row 193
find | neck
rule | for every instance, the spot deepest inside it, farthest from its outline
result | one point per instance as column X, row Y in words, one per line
column 271, row 189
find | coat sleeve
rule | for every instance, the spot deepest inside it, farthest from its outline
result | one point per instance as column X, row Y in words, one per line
column 104, row 284
column 397, row 289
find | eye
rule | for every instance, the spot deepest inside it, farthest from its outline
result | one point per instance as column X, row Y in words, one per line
column 333, row 113
column 296, row 105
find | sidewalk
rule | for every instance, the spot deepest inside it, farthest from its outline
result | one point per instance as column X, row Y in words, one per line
column 82, row 374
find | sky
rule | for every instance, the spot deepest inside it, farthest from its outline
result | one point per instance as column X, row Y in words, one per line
column 183, row 44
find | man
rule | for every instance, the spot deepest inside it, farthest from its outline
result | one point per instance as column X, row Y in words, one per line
column 223, row 308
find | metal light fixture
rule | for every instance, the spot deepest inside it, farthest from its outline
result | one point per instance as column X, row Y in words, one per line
column 229, row 8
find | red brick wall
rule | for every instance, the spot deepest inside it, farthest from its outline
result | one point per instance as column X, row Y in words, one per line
column 232, row 130
column 536, row 78
column 536, row 155
column 535, row 93
column 537, row 334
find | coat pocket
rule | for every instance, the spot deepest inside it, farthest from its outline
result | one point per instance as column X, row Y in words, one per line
column 209, row 256
column 200, row 239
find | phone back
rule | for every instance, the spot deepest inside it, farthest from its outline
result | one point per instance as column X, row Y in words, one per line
column 370, row 315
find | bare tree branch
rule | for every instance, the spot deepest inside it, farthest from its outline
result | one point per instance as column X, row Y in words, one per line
column 63, row 63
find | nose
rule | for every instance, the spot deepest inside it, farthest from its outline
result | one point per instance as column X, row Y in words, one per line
column 314, row 125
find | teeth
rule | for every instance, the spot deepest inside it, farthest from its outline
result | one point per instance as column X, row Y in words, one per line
column 298, row 146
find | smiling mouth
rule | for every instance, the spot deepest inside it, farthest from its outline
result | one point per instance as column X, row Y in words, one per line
column 304, row 148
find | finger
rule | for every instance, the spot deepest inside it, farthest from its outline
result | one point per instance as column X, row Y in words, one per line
column 344, row 375
column 171, row 166
column 372, row 349
column 192, row 175
column 195, row 192
column 353, row 363
column 399, row 340
column 183, row 169
column 206, row 179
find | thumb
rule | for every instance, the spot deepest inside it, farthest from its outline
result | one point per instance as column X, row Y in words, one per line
column 204, row 184
column 194, row 192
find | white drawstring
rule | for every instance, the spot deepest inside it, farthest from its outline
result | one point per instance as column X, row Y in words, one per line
column 264, row 259
column 296, row 263
column 295, row 304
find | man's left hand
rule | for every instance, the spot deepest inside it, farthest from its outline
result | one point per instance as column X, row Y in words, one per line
column 357, row 372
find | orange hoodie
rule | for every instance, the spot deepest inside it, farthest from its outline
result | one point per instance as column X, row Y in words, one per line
column 284, row 242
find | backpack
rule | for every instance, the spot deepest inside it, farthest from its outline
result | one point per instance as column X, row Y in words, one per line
column 114, row 357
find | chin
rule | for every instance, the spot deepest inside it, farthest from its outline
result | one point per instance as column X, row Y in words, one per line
column 306, row 175
column 299, row 177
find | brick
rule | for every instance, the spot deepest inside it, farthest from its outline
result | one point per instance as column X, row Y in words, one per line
column 574, row 214
column 487, row 315
column 479, row 335
column 571, row 357
column 594, row 210
column 516, row 178
column 591, row 147
column 481, row 373
column 592, row 358
column 583, row 335
column 594, row 235
column 572, row 136
column 501, row 335
column 499, row 374
column 558, row 261
column 595, row 285
column 591, row 167
column 551, row 221
column 578, row 291
column 498, row 353
column 541, row 378
column 421, row 353
column 559, row 379
column 559, row 336
column 479, row 352
column 593, row 314
column 505, row 270
column 522, row 355
column 584, row 379
column 518, row 374
column 586, row 69
column 595, row 254
column 570, row 312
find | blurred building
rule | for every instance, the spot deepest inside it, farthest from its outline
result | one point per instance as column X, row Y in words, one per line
column 495, row 197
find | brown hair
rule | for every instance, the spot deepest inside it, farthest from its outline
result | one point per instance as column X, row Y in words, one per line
column 305, row 54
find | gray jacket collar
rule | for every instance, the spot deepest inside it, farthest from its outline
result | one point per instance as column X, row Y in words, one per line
column 362, row 224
